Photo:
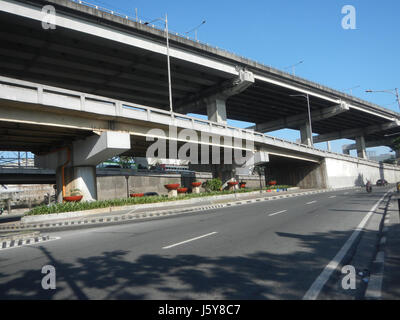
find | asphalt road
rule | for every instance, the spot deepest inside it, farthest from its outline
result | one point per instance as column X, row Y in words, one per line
column 268, row 250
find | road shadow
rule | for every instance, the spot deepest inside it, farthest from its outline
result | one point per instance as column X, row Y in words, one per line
column 114, row 275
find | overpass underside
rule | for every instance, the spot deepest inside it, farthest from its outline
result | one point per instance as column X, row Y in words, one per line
column 295, row 172
column 96, row 86
column 101, row 54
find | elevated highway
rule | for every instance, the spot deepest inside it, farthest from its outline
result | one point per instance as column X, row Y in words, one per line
column 96, row 85
column 104, row 54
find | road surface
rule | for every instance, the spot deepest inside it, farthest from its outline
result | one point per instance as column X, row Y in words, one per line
column 266, row 250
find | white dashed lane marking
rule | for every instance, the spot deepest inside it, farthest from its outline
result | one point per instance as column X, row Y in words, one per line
column 311, row 202
column 190, row 240
column 273, row 214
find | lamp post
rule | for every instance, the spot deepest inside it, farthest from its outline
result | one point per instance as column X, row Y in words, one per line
column 351, row 89
column 195, row 29
column 394, row 92
column 168, row 59
column 309, row 111
column 293, row 66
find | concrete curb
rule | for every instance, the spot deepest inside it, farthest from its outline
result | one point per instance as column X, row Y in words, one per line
column 116, row 219
column 6, row 244
column 18, row 236
column 374, row 287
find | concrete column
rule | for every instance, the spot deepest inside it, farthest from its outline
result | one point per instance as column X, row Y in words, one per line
column 82, row 178
column 361, row 150
column 80, row 159
column 216, row 109
column 305, row 134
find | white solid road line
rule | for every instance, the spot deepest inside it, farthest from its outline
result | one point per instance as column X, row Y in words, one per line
column 331, row 197
column 272, row 214
column 311, row 202
column 316, row 287
column 186, row 241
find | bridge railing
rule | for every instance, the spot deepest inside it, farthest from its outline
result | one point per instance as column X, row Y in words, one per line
column 29, row 92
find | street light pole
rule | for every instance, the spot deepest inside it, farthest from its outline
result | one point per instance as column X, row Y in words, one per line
column 309, row 114
column 195, row 29
column 351, row 89
column 169, row 66
column 293, row 67
column 396, row 93
column 168, row 59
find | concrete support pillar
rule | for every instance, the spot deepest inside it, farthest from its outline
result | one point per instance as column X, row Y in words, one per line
column 306, row 134
column 82, row 178
column 216, row 109
column 361, row 150
column 79, row 161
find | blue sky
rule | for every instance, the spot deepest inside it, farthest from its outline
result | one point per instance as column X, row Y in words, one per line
column 281, row 33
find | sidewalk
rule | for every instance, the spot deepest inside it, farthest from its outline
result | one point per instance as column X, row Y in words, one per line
column 132, row 213
column 384, row 283
column 391, row 268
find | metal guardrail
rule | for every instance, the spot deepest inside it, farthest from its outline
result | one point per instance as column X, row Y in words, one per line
column 9, row 161
column 274, row 69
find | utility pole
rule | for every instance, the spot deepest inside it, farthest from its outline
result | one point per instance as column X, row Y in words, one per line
column 396, row 93
column 169, row 66
column 168, row 59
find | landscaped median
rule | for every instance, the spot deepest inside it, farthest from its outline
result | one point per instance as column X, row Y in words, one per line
column 83, row 206
column 138, row 212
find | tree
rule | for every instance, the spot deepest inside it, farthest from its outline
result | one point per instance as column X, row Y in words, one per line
column 395, row 145
column 124, row 161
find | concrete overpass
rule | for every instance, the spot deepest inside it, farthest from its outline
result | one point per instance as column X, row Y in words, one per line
column 98, row 82
column 97, row 52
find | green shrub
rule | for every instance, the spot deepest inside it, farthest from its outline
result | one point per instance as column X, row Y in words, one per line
column 213, row 185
